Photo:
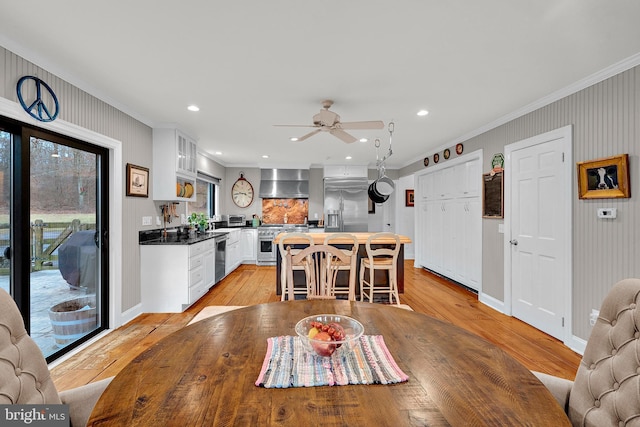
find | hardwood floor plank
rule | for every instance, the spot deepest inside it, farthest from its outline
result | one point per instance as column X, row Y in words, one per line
column 249, row 284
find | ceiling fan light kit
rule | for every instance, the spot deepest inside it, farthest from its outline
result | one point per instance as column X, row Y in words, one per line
column 328, row 121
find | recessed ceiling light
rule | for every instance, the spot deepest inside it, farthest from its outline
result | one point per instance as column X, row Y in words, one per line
column 363, row 139
column 293, row 138
column 348, row 158
column 218, row 153
column 264, row 156
column 193, row 108
column 423, row 112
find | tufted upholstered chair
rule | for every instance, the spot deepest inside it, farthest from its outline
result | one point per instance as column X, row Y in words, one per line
column 606, row 390
column 24, row 374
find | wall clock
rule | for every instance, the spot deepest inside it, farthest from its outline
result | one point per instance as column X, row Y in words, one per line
column 242, row 192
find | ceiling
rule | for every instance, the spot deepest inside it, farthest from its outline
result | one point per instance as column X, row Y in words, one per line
column 251, row 64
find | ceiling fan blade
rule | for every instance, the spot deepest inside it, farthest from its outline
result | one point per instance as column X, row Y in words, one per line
column 302, row 138
column 297, row 126
column 339, row 133
column 374, row 124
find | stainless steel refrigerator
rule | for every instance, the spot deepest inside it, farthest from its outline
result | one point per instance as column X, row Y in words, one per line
column 345, row 205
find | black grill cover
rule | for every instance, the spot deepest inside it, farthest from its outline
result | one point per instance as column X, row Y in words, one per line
column 77, row 260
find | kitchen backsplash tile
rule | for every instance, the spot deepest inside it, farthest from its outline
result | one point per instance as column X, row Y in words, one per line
column 274, row 210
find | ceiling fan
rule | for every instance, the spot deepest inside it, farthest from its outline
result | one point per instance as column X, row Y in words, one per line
column 328, row 121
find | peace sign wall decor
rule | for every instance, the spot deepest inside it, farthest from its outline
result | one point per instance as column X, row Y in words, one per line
column 37, row 99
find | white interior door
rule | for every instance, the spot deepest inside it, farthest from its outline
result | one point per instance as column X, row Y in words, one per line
column 538, row 237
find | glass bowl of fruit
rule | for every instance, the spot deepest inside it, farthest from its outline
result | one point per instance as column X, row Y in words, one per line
column 326, row 334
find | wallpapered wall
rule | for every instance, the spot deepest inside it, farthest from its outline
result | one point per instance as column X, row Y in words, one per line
column 606, row 121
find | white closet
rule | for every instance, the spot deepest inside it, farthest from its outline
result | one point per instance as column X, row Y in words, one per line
column 449, row 219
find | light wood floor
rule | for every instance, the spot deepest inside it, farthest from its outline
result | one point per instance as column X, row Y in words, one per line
column 249, row 284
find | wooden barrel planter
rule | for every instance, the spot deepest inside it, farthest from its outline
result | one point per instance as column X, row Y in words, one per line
column 72, row 319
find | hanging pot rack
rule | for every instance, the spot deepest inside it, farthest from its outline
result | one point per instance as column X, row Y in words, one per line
column 381, row 188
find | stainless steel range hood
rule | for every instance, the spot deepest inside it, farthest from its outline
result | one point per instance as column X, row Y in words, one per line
column 284, row 183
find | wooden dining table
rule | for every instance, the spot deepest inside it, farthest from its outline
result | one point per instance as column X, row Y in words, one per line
column 205, row 375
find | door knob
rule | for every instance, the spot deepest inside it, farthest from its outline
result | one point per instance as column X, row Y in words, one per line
column 514, row 242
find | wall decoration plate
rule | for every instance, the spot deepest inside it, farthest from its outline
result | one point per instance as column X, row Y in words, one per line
column 459, row 149
column 426, row 161
column 436, row 158
column 446, row 154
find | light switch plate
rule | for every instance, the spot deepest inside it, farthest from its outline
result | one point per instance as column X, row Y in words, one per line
column 501, row 228
column 146, row 220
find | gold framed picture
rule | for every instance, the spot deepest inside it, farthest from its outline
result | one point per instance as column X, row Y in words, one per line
column 606, row 178
column 137, row 181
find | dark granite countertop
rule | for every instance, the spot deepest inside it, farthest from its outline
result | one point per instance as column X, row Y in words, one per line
column 174, row 237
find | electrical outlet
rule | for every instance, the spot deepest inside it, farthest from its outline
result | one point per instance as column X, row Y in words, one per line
column 146, row 220
column 593, row 316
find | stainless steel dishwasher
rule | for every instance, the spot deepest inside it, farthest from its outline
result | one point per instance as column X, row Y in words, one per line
column 221, row 249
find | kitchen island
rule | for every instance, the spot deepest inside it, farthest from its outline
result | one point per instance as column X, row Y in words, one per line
column 318, row 239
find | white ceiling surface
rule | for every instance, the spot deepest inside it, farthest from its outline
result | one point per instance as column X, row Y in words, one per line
column 251, row 64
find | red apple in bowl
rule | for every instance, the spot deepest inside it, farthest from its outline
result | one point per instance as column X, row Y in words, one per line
column 325, row 348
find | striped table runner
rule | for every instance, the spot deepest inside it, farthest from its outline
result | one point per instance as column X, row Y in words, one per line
column 288, row 364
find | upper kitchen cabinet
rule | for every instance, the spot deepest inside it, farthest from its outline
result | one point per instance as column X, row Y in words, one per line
column 341, row 171
column 174, row 165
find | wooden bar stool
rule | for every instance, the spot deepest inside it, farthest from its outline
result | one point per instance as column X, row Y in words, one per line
column 321, row 276
column 344, row 239
column 380, row 259
column 285, row 291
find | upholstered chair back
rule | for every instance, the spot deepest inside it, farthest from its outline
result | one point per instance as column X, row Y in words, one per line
column 24, row 374
column 606, row 390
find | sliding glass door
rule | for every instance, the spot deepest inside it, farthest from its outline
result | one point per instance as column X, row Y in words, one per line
column 54, row 236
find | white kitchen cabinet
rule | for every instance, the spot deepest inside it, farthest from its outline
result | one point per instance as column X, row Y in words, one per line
column 233, row 255
column 449, row 221
column 340, row 171
column 209, row 261
column 175, row 276
column 468, row 173
column 249, row 245
column 174, row 164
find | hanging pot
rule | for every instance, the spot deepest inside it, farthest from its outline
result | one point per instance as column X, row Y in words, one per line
column 375, row 196
column 384, row 186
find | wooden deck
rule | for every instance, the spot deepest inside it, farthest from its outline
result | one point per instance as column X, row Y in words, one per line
column 249, row 284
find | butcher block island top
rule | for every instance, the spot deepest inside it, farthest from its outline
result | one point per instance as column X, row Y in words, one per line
column 318, row 238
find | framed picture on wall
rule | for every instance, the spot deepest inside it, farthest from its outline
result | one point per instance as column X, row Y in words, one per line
column 137, row 181
column 606, row 178
column 408, row 197
column 492, row 195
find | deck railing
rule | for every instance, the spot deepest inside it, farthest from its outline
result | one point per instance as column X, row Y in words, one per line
column 46, row 238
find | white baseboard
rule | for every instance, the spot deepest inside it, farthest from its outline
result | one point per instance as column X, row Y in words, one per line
column 576, row 344
column 492, row 302
column 129, row 315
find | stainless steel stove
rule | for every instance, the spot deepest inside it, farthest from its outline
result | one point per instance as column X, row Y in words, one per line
column 267, row 250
